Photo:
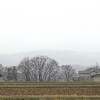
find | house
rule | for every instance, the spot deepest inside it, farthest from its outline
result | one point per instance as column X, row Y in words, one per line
column 91, row 76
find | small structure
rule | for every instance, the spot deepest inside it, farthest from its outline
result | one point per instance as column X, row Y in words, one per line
column 95, row 77
column 91, row 76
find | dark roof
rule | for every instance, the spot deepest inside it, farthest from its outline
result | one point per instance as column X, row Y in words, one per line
column 84, row 72
column 89, row 70
column 95, row 74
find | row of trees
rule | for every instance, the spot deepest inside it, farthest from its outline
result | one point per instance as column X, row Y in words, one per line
column 38, row 69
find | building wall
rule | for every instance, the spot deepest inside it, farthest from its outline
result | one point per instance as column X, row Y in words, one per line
column 84, row 77
column 96, row 78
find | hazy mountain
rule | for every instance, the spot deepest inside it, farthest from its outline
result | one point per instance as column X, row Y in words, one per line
column 79, row 60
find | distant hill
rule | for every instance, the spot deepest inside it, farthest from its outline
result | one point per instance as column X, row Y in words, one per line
column 79, row 60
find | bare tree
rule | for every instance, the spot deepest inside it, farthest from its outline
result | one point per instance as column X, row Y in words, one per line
column 95, row 68
column 68, row 73
column 39, row 69
column 14, row 73
column 1, row 69
column 43, row 68
column 51, row 70
column 24, row 68
column 9, row 76
column 10, row 73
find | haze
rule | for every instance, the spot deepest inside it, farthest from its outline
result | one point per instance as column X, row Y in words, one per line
column 49, row 24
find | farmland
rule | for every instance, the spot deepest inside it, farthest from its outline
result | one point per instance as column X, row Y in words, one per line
column 49, row 91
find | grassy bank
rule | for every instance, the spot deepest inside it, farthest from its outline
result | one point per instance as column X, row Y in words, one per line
column 49, row 97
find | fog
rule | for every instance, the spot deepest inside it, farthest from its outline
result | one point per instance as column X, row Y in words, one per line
column 49, row 25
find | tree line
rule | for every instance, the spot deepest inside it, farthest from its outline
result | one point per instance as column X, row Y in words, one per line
column 38, row 69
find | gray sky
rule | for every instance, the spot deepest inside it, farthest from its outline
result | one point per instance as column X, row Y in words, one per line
column 49, row 24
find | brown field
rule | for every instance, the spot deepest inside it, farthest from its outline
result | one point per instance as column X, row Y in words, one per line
column 52, row 91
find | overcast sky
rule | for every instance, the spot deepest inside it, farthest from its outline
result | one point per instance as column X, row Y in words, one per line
column 49, row 24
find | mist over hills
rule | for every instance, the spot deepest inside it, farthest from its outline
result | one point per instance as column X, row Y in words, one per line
column 79, row 60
